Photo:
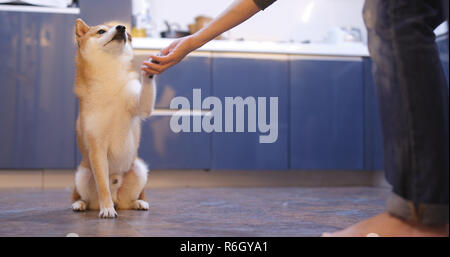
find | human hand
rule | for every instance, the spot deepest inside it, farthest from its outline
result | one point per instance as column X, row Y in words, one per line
column 169, row 56
column 236, row 13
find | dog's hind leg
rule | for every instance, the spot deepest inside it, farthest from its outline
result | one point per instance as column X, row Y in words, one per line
column 142, row 195
column 81, row 191
column 140, row 203
column 77, row 203
column 131, row 191
column 75, row 195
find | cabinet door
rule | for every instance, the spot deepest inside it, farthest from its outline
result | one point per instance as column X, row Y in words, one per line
column 37, row 117
column 160, row 147
column 251, row 77
column 326, row 114
column 373, row 155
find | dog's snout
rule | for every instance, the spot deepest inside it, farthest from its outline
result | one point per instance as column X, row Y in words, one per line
column 120, row 28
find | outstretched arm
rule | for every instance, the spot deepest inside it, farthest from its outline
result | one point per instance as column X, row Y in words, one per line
column 238, row 12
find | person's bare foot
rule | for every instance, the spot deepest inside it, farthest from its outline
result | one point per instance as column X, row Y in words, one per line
column 387, row 225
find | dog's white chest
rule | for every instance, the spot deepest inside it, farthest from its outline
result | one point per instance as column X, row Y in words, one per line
column 122, row 149
column 121, row 156
column 114, row 129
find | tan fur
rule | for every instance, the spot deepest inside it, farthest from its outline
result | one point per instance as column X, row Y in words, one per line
column 112, row 103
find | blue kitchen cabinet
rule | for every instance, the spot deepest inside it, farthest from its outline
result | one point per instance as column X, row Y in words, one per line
column 37, row 106
column 251, row 77
column 326, row 114
column 373, row 149
column 162, row 148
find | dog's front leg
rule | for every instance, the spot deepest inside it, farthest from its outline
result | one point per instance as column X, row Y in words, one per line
column 147, row 97
column 99, row 165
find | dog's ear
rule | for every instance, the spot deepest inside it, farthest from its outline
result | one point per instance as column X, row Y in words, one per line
column 129, row 37
column 81, row 28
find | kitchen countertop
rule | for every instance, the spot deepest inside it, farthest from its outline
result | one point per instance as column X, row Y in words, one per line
column 267, row 47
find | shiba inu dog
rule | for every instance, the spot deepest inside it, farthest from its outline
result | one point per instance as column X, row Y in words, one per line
column 113, row 101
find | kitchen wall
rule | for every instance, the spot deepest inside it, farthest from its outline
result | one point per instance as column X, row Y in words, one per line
column 285, row 20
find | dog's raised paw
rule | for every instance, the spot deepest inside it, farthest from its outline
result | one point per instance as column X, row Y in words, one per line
column 140, row 205
column 79, row 206
column 107, row 213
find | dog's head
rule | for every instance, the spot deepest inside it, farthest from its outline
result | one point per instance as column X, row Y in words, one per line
column 106, row 39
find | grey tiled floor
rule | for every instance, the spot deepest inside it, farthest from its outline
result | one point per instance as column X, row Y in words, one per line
column 196, row 212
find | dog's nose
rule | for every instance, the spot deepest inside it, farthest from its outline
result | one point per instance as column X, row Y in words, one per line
column 120, row 28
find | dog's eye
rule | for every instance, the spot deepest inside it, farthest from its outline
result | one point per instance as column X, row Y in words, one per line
column 101, row 31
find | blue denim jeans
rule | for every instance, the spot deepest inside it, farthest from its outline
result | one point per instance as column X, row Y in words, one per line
column 413, row 100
